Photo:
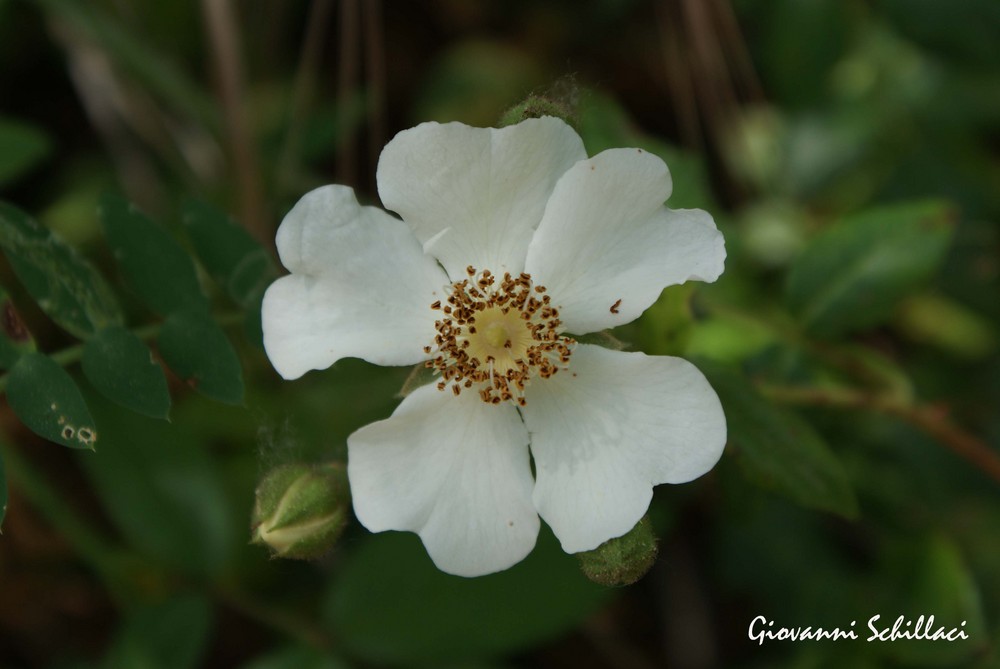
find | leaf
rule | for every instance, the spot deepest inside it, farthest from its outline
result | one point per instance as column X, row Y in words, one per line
column 197, row 351
column 15, row 339
column 168, row 635
column 852, row 275
column 67, row 287
column 155, row 266
column 161, row 489
column 234, row 259
column 779, row 451
column 390, row 604
column 48, row 402
column 22, row 146
column 122, row 369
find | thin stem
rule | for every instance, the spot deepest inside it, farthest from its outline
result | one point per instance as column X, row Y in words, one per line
column 220, row 22
column 347, row 86
column 303, row 88
column 375, row 64
column 932, row 420
column 72, row 354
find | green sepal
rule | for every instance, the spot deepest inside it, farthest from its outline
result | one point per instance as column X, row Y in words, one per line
column 622, row 560
column 301, row 510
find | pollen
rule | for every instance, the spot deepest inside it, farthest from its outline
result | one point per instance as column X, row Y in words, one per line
column 495, row 335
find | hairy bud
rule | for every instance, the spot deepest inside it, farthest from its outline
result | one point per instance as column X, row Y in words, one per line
column 622, row 560
column 301, row 510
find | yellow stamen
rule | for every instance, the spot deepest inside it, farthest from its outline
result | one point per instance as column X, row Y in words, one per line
column 498, row 334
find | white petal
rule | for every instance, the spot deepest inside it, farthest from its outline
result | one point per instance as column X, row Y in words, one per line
column 606, row 236
column 474, row 195
column 456, row 471
column 361, row 287
column 609, row 428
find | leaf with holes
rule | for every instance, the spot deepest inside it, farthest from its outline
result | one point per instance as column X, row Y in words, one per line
column 197, row 350
column 154, row 265
column 122, row 369
column 67, row 287
column 48, row 402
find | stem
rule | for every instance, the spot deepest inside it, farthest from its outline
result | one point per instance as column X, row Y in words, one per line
column 72, row 354
column 220, row 22
column 931, row 420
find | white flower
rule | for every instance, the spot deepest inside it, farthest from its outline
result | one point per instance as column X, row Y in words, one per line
column 510, row 239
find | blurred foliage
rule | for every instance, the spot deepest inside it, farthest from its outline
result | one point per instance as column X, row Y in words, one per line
column 850, row 154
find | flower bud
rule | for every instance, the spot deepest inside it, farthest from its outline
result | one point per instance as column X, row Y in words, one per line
column 301, row 510
column 622, row 560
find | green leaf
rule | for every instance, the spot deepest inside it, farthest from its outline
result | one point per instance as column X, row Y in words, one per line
column 15, row 339
column 67, row 287
column 778, row 450
column 852, row 275
column 234, row 259
column 22, row 146
column 390, row 604
column 196, row 349
column 48, row 402
column 161, row 489
column 122, row 369
column 167, row 635
column 155, row 266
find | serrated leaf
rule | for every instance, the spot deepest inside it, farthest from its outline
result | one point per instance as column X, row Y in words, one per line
column 389, row 604
column 155, row 266
column 234, row 259
column 122, row 369
column 197, row 350
column 15, row 339
column 778, row 450
column 852, row 275
column 46, row 399
column 67, row 287
column 22, row 146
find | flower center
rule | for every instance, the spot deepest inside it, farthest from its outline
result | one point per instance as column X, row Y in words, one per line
column 497, row 334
